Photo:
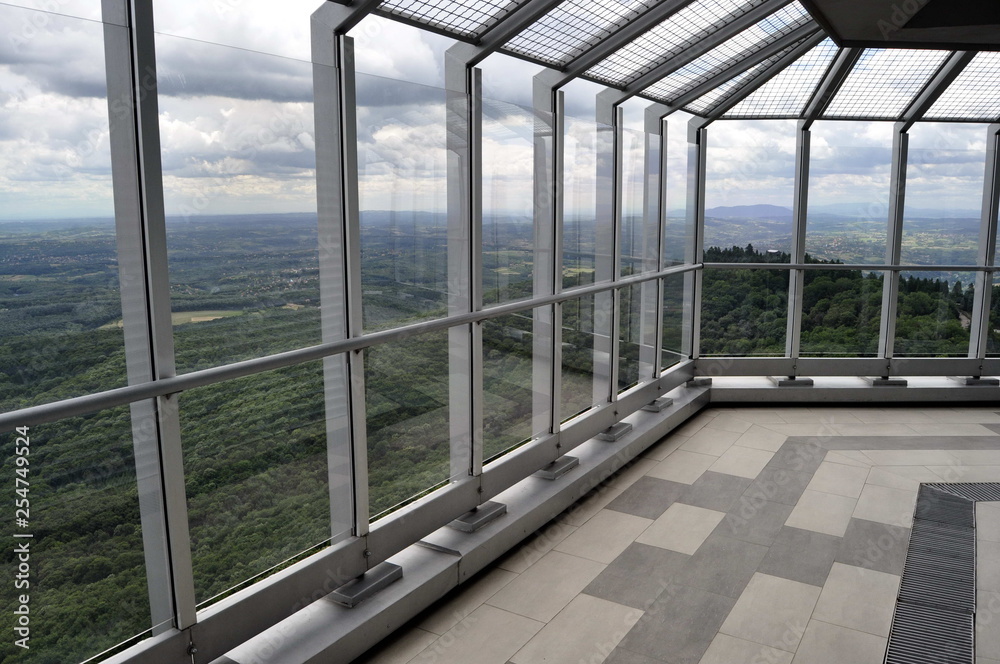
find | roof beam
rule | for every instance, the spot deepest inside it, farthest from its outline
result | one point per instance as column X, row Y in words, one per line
column 499, row 34
column 745, row 64
column 729, row 102
column 830, row 84
column 946, row 74
column 342, row 17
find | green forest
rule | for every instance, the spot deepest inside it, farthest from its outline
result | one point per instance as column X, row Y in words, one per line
column 254, row 449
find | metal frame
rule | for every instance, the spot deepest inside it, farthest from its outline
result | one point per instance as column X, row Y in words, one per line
column 894, row 241
column 653, row 218
column 800, row 207
column 830, row 85
column 979, row 329
column 697, row 157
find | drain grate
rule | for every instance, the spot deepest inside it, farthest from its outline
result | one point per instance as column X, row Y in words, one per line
column 935, row 619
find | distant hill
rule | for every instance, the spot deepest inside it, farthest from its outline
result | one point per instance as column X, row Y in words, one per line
column 749, row 212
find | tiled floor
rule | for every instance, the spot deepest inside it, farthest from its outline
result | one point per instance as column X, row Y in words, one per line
column 748, row 535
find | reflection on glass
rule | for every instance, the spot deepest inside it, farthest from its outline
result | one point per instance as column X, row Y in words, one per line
column 239, row 188
column 944, row 190
column 508, row 201
column 933, row 314
column 60, row 306
column 678, row 233
column 841, row 310
column 255, row 468
column 580, row 202
column 849, row 172
column 406, row 400
column 402, row 170
column 674, row 332
column 633, row 233
column 744, row 312
column 630, row 335
column 577, row 356
column 87, row 573
column 507, row 382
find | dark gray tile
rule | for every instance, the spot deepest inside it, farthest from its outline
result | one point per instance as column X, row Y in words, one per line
column 649, row 497
column 722, row 565
column 754, row 521
column 779, row 485
column 801, row 555
column 621, row 656
column 638, row 576
column 680, row 626
column 801, row 454
column 715, row 491
column 876, row 546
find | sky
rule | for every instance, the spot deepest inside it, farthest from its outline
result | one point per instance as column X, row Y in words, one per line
column 237, row 124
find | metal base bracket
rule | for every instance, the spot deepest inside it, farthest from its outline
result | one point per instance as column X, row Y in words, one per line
column 699, row 381
column 791, row 381
column 659, row 405
column 558, row 468
column 884, row 382
column 976, row 381
column 358, row 590
column 613, row 433
column 472, row 521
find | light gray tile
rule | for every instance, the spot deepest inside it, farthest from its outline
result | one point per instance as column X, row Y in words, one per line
column 907, row 478
column 988, row 566
column 531, row 550
column 987, row 617
column 988, row 521
column 772, row 611
column 587, row 625
column 666, row 446
column 848, row 458
column 710, row 441
column 951, row 429
column 488, row 635
column 858, row 598
column 468, row 598
column 610, row 489
column 742, row 462
column 910, row 457
column 731, row 423
column 886, row 505
column 839, row 479
column 547, row 586
column 822, row 513
column 727, row 649
column 399, row 648
column 682, row 466
column 761, row 438
column 604, row 536
column 681, row 528
column 824, row 643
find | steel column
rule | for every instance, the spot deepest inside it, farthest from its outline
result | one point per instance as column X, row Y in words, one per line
column 796, row 278
column 893, row 242
column 697, row 156
column 980, row 329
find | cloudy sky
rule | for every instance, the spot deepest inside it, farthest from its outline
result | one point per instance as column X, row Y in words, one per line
column 237, row 134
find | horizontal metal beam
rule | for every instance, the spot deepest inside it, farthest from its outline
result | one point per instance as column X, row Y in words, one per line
column 846, row 366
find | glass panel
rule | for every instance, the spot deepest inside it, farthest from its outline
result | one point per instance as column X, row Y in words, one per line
column 678, row 238
column 674, row 330
column 636, row 334
column 84, row 571
column 507, row 382
column 578, row 356
column 884, row 82
column 933, row 314
column 944, row 191
column 60, row 306
column 744, row 312
column 849, row 174
column 467, row 18
column 256, row 475
column 749, row 184
column 240, row 196
column 973, row 95
column 25, row 26
column 403, row 186
column 508, row 202
column 580, row 177
column 634, row 238
column 841, row 311
column 406, row 398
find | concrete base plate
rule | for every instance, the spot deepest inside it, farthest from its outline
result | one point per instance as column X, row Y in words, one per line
column 356, row 591
column 884, row 382
column 791, row 381
column 976, row 382
column 699, row 381
column 658, row 405
column 613, row 433
column 558, row 468
column 472, row 521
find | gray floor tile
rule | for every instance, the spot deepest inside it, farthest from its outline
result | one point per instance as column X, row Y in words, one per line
column 680, row 626
column 638, row 576
column 824, row 643
column 801, row 454
column 779, row 485
column 622, row 656
column 723, row 565
column 801, row 555
column 715, row 491
column 649, row 497
column 754, row 521
column 876, row 546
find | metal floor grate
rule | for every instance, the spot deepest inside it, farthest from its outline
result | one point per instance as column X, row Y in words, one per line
column 935, row 619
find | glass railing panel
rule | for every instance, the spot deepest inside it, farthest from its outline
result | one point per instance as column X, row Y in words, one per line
column 841, row 313
column 631, row 321
column 744, row 312
column 578, row 356
column 60, row 304
column 675, row 299
column 240, row 196
column 255, row 464
column 586, row 152
column 934, row 314
column 77, row 583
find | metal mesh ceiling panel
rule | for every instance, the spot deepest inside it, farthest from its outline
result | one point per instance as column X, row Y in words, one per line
column 732, row 51
column 463, row 18
column 573, row 27
column 668, row 38
column 974, row 95
column 708, row 101
column 884, row 82
column 786, row 95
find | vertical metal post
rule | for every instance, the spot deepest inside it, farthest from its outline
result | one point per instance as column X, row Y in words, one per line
column 140, row 223
column 980, row 328
column 893, row 242
column 465, row 344
column 605, row 254
column 796, row 278
column 617, row 193
column 697, row 155
column 339, row 272
column 654, row 171
column 547, row 256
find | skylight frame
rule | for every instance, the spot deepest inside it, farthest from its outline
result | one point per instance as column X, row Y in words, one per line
column 974, row 96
